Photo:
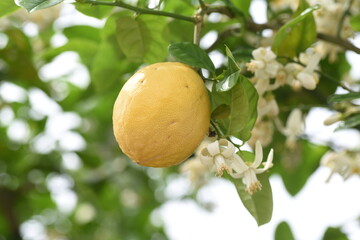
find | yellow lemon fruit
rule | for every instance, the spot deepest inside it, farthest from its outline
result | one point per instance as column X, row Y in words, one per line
column 161, row 114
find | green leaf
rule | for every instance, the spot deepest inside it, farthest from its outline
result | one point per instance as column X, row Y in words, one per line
column 33, row 5
column 298, row 34
column 97, row 11
column 221, row 112
column 355, row 22
column 232, row 65
column 143, row 38
column 228, row 83
column 283, row 231
column 243, row 6
column 350, row 122
column 108, row 65
column 333, row 233
column 192, row 55
column 260, row 204
column 82, row 32
column 242, row 101
column 299, row 164
column 6, row 7
column 343, row 97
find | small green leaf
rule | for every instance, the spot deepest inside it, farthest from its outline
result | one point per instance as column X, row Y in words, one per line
column 350, row 122
column 221, row 112
column 33, row 5
column 260, row 204
column 232, row 65
column 192, row 55
column 298, row 34
column 228, row 83
column 344, row 97
column 7, row 6
column 283, row 231
column 355, row 22
column 333, row 233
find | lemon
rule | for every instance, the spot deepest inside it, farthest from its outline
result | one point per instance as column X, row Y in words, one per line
column 161, row 114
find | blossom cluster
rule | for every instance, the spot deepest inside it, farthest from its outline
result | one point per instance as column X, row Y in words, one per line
column 344, row 163
column 220, row 156
column 269, row 75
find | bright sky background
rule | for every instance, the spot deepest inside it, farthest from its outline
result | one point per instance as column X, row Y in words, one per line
column 316, row 207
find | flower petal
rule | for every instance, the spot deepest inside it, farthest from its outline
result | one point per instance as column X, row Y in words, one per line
column 258, row 155
column 227, row 148
column 213, row 148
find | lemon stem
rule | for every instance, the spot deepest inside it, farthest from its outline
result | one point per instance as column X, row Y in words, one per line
column 139, row 10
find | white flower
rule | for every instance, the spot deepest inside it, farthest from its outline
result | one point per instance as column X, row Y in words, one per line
column 217, row 155
column 264, row 64
column 307, row 77
column 294, row 127
column 220, row 156
column 344, row 163
column 263, row 131
column 248, row 171
column 194, row 169
column 267, row 107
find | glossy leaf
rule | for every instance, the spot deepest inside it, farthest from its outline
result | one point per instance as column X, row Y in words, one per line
column 242, row 101
column 298, row 34
column 232, row 64
column 228, row 83
column 260, row 204
column 343, row 97
column 33, row 5
column 283, row 231
column 192, row 55
column 6, row 7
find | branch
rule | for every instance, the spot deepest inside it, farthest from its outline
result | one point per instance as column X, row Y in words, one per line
column 139, row 10
column 339, row 41
column 342, row 19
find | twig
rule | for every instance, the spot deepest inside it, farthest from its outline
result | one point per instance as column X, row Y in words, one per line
column 199, row 22
column 342, row 19
column 139, row 10
column 339, row 41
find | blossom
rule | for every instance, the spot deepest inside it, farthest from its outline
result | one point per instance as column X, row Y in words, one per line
column 217, row 155
column 248, row 171
column 294, row 127
column 194, row 169
column 220, row 156
column 267, row 107
column 264, row 64
column 344, row 163
column 263, row 131
column 307, row 77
